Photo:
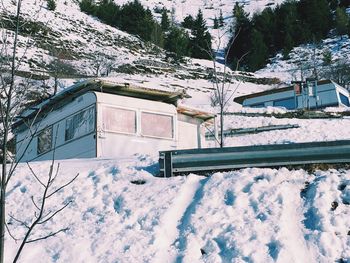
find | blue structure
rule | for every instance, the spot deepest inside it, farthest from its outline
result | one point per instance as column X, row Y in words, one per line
column 309, row 95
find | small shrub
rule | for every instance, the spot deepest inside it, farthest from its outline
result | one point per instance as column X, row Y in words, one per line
column 51, row 5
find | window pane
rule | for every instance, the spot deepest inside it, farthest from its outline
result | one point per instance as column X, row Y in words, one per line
column 344, row 99
column 80, row 124
column 44, row 140
column 119, row 120
column 157, row 125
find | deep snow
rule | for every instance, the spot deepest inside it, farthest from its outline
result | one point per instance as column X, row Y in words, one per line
column 250, row 215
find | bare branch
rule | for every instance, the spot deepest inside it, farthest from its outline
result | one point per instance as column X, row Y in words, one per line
column 54, row 178
column 63, row 186
column 53, row 215
column 10, row 234
column 33, row 173
column 19, row 221
column 32, row 198
column 48, row 236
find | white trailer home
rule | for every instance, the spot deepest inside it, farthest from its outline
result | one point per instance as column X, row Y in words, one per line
column 315, row 95
column 101, row 118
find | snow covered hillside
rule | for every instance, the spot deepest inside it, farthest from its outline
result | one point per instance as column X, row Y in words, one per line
column 120, row 212
column 304, row 58
column 210, row 8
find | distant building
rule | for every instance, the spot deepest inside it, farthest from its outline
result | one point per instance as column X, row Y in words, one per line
column 310, row 95
column 101, row 118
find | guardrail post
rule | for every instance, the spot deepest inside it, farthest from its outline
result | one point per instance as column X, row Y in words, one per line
column 165, row 164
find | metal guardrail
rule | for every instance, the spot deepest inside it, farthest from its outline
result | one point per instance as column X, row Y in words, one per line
column 243, row 131
column 214, row 159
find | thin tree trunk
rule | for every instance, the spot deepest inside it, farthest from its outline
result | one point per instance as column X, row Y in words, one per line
column 221, row 127
column 4, row 147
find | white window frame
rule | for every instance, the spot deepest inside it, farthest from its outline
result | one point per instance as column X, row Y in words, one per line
column 38, row 135
column 121, row 108
column 173, row 116
column 85, row 134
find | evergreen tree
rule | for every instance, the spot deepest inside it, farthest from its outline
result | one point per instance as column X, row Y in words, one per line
column 165, row 23
column 148, row 26
column 135, row 19
column 341, row 21
column 333, row 4
column 288, row 45
column 265, row 22
column 327, row 57
column 289, row 29
column 177, row 42
column 87, row 6
column 259, row 52
column 108, row 12
column 157, row 36
column 188, row 22
column 344, row 3
column 241, row 33
column 221, row 20
column 316, row 16
column 201, row 39
column 216, row 23
column 51, row 5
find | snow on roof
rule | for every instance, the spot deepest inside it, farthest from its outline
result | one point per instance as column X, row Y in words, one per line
column 241, row 99
column 195, row 113
column 111, row 86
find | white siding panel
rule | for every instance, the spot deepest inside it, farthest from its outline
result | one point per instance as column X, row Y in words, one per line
column 188, row 135
column 122, row 145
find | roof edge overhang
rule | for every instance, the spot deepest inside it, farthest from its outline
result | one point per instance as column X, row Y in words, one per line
column 241, row 99
column 104, row 86
column 195, row 113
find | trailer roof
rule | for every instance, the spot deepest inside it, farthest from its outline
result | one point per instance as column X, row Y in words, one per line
column 241, row 99
column 195, row 113
column 105, row 86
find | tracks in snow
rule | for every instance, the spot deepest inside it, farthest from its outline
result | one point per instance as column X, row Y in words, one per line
column 175, row 223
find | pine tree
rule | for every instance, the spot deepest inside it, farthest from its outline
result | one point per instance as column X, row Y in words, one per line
column 344, row 3
column 221, row 19
column 201, row 39
column 188, row 22
column 108, row 12
column 341, row 21
column 241, row 33
column 216, row 23
column 288, row 45
column 327, row 57
column 259, row 52
column 51, row 5
column 157, row 36
column 87, row 6
column 265, row 22
column 135, row 19
column 316, row 16
column 165, row 23
column 177, row 42
column 333, row 4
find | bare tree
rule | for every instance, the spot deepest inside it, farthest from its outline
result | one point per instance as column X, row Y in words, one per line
column 12, row 97
column 58, row 69
column 6, row 107
column 222, row 82
column 103, row 63
column 42, row 214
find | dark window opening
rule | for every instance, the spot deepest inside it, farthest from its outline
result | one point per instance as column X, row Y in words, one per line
column 44, row 140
